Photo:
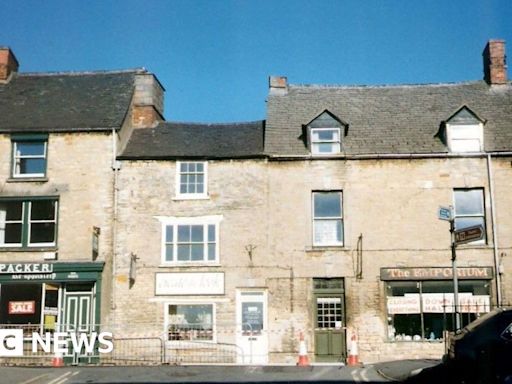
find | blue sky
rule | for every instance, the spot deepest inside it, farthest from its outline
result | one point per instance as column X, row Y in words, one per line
column 214, row 57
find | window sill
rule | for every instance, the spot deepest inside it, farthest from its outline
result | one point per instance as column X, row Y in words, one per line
column 28, row 249
column 27, row 180
column 192, row 197
column 320, row 248
column 188, row 265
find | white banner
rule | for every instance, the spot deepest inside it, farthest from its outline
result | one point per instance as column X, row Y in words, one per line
column 208, row 283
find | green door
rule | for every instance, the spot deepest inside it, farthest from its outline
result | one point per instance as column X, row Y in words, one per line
column 78, row 319
column 329, row 312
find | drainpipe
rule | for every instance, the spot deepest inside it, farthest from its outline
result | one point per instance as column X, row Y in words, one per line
column 494, row 231
column 115, row 168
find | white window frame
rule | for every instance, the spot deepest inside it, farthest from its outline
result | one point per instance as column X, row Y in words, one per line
column 336, row 144
column 17, row 157
column 191, row 196
column 200, row 220
column 482, row 215
column 176, row 303
column 314, row 219
column 462, row 138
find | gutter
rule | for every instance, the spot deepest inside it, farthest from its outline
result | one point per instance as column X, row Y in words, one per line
column 115, row 168
column 435, row 155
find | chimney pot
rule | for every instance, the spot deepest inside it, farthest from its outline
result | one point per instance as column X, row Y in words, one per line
column 8, row 63
column 495, row 63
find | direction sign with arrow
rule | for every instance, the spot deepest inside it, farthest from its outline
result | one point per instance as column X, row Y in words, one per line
column 469, row 234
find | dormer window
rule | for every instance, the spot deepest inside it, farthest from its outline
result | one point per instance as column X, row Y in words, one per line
column 325, row 141
column 325, row 134
column 465, row 132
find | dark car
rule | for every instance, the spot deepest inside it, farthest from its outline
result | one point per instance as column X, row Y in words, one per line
column 481, row 352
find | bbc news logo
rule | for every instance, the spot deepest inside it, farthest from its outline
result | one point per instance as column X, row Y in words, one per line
column 11, row 342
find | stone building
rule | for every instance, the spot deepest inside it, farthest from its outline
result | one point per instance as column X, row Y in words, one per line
column 228, row 242
column 323, row 220
column 59, row 134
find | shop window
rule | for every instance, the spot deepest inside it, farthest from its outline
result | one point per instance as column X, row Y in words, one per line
column 469, row 209
column 423, row 310
column 190, row 322
column 29, row 156
column 28, row 223
column 327, row 218
column 191, row 179
column 190, row 240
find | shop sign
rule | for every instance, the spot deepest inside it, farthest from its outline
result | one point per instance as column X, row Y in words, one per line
column 435, row 273
column 22, row 307
column 189, row 283
column 12, row 272
column 407, row 304
column 21, row 268
column 443, row 303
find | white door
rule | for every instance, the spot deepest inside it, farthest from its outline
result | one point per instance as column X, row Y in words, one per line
column 252, row 337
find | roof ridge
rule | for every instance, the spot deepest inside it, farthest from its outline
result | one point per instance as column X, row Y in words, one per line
column 200, row 124
column 82, row 73
column 363, row 86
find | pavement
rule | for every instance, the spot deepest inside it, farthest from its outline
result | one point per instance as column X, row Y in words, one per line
column 401, row 370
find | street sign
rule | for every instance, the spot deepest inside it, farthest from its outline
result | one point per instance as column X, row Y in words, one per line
column 469, row 234
column 444, row 213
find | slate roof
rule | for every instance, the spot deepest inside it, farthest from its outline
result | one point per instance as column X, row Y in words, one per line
column 171, row 140
column 402, row 119
column 65, row 101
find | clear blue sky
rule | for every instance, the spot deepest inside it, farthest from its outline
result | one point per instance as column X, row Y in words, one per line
column 214, row 57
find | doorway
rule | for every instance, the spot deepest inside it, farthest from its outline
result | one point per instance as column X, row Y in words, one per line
column 252, row 337
column 329, row 315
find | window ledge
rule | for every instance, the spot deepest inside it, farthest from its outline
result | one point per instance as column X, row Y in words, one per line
column 27, row 179
column 189, row 265
column 321, row 248
column 192, row 197
column 28, row 249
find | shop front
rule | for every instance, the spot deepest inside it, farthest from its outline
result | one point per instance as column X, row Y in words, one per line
column 420, row 301
column 51, row 297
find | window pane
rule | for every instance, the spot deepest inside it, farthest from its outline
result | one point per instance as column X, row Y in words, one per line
column 199, row 188
column 465, row 222
column 211, row 232
column 197, row 233
column 328, row 232
column 32, row 166
column 326, row 135
column 326, row 148
column 42, row 233
column 169, row 252
column 197, row 252
column 252, row 316
column 211, row 252
column 327, row 204
column 169, row 233
column 10, row 234
column 183, row 233
column 27, row 148
column 469, row 202
column 11, row 210
column 200, row 167
column 183, row 252
column 191, row 167
column 42, row 210
column 183, row 167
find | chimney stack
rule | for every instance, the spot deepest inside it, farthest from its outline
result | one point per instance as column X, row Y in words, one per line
column 8, row 63
column 278, row 85
column 148, row 101
column 495, row 64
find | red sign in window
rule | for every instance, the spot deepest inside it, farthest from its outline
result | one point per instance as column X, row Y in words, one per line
column 22, row 307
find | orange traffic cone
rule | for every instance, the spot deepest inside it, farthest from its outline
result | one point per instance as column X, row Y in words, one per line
column 303, row 352
column 353, row 358
column 57, row 360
